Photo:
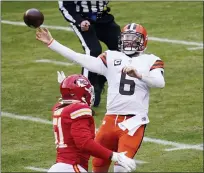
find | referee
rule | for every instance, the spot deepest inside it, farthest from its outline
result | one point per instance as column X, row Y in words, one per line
column 91, row 22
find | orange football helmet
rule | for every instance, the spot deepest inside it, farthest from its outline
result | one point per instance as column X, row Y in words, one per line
column 133, row 39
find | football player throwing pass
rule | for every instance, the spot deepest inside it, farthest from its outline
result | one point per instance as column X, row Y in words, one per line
column 130, row 74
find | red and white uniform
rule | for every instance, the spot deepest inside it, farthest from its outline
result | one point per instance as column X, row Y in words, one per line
column 74, row 132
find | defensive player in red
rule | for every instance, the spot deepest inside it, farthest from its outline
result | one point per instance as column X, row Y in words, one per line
column 74, row 129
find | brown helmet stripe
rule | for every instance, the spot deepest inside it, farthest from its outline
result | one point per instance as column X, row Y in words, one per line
column 134, row 27
column 129, row 25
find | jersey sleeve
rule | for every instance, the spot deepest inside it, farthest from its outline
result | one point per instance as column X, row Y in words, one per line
column 84, row 140
column 91, row 63
column 158, row 64
column 153, row 76
column 154, row 79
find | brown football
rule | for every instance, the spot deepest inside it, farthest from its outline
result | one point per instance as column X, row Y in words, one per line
column 33, row 18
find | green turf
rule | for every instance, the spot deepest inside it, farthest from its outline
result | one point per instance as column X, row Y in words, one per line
column 30, row 88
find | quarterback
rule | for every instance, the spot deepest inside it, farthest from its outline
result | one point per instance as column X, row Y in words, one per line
column 130, row 74
column 74, row 129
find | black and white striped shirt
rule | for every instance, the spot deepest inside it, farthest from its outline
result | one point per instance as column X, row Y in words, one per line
column 73, row 10
column 90, row 6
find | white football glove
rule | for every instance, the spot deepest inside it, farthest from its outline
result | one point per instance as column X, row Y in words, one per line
column 126, row 162
column 60, row 76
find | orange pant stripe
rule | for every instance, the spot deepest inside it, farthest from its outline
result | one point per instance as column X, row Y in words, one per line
column 76, row 169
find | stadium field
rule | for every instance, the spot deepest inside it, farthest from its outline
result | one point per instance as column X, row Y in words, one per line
column 173, row 139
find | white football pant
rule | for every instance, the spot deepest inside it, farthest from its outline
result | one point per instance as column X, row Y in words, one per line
column 63, row 167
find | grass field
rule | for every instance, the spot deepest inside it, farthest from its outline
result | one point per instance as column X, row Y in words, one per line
column 30, row 88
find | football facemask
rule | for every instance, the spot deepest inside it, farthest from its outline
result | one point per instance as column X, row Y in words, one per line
column 131, row 42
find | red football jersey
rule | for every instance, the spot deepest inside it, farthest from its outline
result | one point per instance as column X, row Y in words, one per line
column 74, row 131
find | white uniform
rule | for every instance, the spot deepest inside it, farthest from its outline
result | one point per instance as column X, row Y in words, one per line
column 127, row 95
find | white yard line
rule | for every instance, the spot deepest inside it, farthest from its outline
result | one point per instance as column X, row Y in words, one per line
column 36, row 169
column 54, row 62
column 197, row 147
column 46, row 26
column 175, row 41
column 25, row 117
column 201, row 145
column 139, row 162
column 195, row 48
column 182, row 42
column 177, row 146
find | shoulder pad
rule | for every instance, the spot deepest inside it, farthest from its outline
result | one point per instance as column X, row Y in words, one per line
column 56, row 105
column 154, row 57
column 80, row 109
column 113, row 53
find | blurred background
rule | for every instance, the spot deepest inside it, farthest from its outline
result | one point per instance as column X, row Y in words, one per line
column 174, row 138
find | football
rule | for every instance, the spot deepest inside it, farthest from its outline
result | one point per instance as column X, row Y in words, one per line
column 33, row 18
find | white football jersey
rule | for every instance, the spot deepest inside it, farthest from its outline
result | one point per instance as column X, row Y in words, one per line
column 128, row 95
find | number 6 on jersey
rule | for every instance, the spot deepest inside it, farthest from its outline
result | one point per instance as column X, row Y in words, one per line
column 123, row 82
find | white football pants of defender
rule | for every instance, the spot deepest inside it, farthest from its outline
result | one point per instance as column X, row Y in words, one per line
column 63, row 167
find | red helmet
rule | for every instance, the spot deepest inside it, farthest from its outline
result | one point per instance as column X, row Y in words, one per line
column 77, row 88
column 133, row 39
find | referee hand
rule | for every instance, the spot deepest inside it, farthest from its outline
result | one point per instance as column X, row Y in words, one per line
column 85, row 25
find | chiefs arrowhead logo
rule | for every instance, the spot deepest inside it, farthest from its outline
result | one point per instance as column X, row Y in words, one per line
column 81, row 82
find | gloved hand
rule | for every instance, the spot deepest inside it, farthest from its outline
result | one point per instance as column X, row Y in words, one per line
column 126, row 162
column 60, row 76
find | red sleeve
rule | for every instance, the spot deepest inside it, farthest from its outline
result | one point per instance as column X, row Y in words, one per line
column 83, row 138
